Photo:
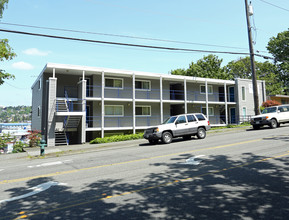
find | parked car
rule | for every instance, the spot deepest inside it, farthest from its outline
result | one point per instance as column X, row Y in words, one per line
column 271, row 116
column 184, row 125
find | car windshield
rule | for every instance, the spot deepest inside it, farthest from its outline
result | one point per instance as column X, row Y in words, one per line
column 269, row 110
column 170, row 120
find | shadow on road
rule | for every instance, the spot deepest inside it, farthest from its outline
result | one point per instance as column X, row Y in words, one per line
column 219, row 188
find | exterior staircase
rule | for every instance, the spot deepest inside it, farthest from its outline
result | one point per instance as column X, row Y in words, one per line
column 61, row 106
column 60, row 138
column 72, row 122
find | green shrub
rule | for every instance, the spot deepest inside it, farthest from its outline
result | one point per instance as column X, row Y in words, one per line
column 117, row 138
column 19, row 147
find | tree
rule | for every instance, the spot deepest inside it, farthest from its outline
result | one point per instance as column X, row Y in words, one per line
column 207, row 67
column 279, row 48
column 6, row 52
column 267, row 71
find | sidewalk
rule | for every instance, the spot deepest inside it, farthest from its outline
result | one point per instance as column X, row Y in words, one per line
column 82, row 148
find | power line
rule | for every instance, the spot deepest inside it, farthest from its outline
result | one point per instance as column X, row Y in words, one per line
column 123, row 36
column 274, row 5
column 127, row 44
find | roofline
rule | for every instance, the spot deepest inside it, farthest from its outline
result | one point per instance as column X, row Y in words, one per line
column 131, row 72
column 40, row 75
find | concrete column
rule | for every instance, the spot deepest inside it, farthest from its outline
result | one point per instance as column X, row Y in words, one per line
column 207, row 99
column 102, row 104
column 52, row 86
column 226, row 103
column 161, row 100
column 185, row 95
column 83, row 102
column 133, row 102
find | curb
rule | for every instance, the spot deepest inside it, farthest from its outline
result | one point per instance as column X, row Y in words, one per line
column 82, row 148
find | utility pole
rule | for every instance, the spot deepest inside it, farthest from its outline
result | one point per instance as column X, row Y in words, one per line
column 254, row 78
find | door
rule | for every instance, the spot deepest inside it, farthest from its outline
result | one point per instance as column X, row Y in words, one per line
column 231, row 94
column 221, row 94
column 233, row 115
column 181, row 126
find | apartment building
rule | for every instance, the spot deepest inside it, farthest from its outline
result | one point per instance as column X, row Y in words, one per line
column 75, row 104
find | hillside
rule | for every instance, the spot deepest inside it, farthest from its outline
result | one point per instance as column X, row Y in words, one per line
column 13, row 114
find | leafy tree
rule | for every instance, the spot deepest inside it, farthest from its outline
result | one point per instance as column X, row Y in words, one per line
column 6, row 52
column 267, row 71
column 279, row 48
column 207, row 67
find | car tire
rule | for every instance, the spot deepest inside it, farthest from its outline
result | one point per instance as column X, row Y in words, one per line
column 167, row 137
column 273, row 124
column 256, row 127
column 201, row 133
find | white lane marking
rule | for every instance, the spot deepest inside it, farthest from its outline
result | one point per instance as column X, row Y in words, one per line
column 193, row 161
column 35, row 190
column 51, row 164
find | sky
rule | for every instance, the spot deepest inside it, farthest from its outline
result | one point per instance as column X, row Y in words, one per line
column 198, row 25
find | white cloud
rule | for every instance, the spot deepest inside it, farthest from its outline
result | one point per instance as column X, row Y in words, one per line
column 36, row 52
column 22, row 66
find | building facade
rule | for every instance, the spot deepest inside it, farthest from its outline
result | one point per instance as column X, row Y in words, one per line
column 75, row 104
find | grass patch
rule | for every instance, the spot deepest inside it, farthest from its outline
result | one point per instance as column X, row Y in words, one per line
column 232, row 126
column 117, row 138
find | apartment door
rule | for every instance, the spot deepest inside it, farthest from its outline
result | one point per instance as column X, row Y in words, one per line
column 231, row 94
column 177, row 109
column 221, row 94
column 233, row 115
column 177, row 91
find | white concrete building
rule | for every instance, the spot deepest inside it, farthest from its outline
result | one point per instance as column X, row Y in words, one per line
column 74, row 104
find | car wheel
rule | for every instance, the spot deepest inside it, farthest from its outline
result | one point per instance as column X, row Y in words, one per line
column 187, row 137
column 167, row 137
column 274, row 123
column 153, row 141
column 201, row 134
column 256, row 127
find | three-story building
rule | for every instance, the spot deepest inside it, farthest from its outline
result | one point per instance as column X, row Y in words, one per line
column 74, row 104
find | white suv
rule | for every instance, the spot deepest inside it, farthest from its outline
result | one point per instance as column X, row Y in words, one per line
column 184, row 125
column 271, row 116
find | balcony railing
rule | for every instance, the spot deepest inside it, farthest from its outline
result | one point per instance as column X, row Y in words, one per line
column 125, row 121
column 127, row 92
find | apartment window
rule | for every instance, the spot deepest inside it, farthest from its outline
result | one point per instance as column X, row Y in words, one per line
column 113, row 83
column 143, row 110
column 244, row 112
column 38, row 111
column 113, row 110
column 203, row 89
column 210, row 111
column 243, row 93
column 143, row 85
column 39, row 84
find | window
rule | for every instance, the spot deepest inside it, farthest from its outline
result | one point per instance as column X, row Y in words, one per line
column 200, row 117
column 203, row 89
column 244, row 112
column 143, row 85
column 243, row 93
column 39, row 84
column 181, row 119
column 113, row 83
column 191, row 118
column 113, row 110
column 143, row 110
column 38, row 111
column 210, row 111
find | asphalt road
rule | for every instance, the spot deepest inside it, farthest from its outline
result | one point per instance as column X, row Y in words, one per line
column 231, row 175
